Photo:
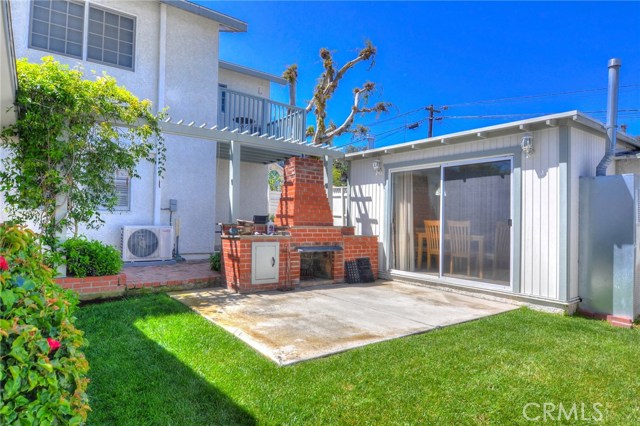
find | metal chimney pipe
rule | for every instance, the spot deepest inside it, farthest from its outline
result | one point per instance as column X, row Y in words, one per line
column 612, row 113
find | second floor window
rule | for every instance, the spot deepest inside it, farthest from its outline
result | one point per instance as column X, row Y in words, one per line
column 110, row 38
column 59, row 26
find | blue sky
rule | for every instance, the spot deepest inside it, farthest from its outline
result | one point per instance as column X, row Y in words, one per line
column 450, row 53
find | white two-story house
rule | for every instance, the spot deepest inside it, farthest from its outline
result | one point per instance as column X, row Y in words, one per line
column 224, row 129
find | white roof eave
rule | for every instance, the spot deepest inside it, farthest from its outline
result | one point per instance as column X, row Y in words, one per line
column 491, row 131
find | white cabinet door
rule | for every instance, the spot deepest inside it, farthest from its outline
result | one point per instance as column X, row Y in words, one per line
column 265, row 262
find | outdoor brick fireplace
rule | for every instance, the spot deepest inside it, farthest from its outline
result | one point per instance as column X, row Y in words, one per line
column 311, row 250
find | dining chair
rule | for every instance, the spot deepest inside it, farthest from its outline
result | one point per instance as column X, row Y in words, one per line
column 460, row 242
column 501, row 247
column 432, row 231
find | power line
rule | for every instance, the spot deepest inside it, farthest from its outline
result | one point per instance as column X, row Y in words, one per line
column 501, row 100
column 543, row 95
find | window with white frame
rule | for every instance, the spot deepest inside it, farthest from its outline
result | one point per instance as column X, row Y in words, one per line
column 122, row 182
column 111, row 38
column 58, row 26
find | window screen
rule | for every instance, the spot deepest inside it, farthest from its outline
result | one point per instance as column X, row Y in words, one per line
column 111, row 38
column 123, row 191
column 57, row 26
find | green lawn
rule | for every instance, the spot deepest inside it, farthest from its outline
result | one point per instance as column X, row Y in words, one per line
column 154, row 362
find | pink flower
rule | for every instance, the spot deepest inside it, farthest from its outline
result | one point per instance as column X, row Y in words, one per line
column 4, row 266
column 54, row 345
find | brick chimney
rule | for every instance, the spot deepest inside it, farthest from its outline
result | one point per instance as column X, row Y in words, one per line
column 304, row 199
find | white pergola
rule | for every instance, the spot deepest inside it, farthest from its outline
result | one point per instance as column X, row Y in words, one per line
column 236, row 146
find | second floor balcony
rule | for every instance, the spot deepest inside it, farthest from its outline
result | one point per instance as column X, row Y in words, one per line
column 257, row 115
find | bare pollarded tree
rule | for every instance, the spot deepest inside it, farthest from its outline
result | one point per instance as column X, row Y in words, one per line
column 326, row 87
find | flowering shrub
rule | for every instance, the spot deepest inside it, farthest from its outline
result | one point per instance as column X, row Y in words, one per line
column 42, row 370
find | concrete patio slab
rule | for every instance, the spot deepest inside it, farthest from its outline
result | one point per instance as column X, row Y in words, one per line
column 289, row 327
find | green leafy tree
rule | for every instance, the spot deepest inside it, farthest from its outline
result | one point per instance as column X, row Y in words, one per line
column 341, row 167
column 275, row 180
column 71, row 135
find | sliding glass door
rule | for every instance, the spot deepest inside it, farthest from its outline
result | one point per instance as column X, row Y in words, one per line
column 477, row 221
column 414, row 203
column 453, row 221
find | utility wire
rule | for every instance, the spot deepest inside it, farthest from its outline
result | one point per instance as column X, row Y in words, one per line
column 502, row 100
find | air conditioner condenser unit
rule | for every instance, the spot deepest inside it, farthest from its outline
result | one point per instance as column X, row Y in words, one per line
column 144, row 243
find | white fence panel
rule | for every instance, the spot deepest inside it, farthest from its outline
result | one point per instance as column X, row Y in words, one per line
column 339, row 204
column 274, row 199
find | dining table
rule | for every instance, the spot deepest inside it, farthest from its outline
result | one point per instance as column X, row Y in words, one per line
column 475, row 238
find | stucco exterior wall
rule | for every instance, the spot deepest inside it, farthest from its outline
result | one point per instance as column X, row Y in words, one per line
column 253, row 192
column 245, row 83
column 190, row 92
column 142, row 81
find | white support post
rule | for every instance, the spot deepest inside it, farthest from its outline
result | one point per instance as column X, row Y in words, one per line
column 162, row 58
column 234, row 180
column 328, row 175
column 60, row 214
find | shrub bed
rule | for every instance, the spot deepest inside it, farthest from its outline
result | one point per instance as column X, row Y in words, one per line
column 87, row 258
column 42, row 369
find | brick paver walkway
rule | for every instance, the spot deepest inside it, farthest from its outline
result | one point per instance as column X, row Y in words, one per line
column 192, row 272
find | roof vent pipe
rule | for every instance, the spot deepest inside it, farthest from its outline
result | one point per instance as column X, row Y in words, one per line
column 612, row 112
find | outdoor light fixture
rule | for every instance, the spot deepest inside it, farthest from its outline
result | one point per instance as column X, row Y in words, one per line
column 377, row 167
column 527, row 144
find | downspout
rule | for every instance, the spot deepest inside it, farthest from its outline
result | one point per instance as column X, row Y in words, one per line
column 162, row 59
column 612, row 112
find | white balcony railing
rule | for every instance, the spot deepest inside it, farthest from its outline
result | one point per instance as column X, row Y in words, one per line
column 254, row 114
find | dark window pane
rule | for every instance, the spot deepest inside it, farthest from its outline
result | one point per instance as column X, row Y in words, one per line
column 126, row 48
column 76, row 10
column 60, row 6
column 74, row 49
column 59, row 18
column 58, row 31
column 75, row 23
column 112, row 19
column 110, row 31
column 41, row 13
column 95, row 40
column 95, row 27
column 39, row 41
column 94, row 53
column 74, row 36
column 110, row 57
column 57, row 45
column 39, row 27
column 126, row 23
column 110, row 44
column 126, row 61
column 96, row 14
column 126, row 35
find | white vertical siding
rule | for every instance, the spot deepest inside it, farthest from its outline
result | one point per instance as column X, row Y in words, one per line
column 368, row 190
column 586, row 151
column 540, row 202
column 540, row 217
